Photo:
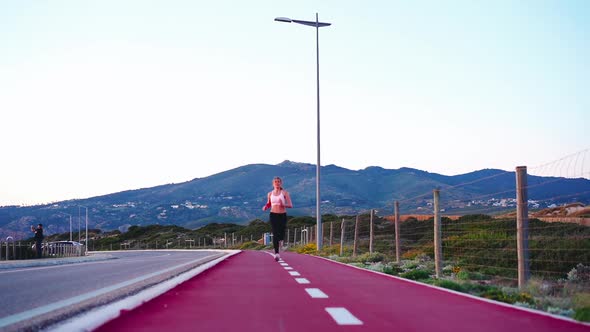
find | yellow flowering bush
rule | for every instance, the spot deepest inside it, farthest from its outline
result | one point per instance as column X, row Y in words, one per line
column 309, row 248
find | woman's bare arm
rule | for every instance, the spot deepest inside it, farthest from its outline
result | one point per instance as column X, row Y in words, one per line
column 288, row 203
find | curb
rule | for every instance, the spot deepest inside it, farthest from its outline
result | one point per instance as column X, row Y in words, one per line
column 7, row 265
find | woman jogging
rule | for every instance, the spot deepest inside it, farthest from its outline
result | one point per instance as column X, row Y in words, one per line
column 278, row 201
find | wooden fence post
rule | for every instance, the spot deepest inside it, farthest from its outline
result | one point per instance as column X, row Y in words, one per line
column 371, row 233
column 356, row 234
column 342, row 237
column 396, row 226
column 437, row 235
column 522, row 226
column 331, row 232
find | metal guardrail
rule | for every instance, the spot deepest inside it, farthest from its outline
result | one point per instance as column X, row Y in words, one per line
column 11, row 249
column 8, row 248
column 56, row 249
column 19, row 250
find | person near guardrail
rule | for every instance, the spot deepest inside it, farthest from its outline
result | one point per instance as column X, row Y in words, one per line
column 38, row 239
column 278, row 200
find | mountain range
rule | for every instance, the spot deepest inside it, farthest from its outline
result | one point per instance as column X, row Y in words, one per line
column 237, row 196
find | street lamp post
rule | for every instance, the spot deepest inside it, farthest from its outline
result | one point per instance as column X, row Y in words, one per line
column 86, row 219
column 70, row 227
column 317, row 24
column 79, row 222
column 70, row 222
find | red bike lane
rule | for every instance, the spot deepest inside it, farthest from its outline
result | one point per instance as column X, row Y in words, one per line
column 249, row 291
column 252, row 292
column 386, row 303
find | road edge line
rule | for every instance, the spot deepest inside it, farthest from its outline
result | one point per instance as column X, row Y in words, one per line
column 94, row 318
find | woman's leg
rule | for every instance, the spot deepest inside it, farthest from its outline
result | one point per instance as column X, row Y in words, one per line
column 281, row 227
column 278, row 223
column 275, row 222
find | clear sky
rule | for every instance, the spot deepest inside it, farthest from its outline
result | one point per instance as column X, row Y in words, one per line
column 103, row 96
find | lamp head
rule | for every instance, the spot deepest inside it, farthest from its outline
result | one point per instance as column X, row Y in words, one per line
column 283, row 19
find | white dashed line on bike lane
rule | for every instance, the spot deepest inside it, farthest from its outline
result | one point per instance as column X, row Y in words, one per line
column 339, row 314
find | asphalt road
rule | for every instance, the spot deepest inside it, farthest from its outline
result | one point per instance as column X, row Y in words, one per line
column 33, row 297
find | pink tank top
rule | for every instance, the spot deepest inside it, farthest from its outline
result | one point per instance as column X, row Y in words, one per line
column 275, row 200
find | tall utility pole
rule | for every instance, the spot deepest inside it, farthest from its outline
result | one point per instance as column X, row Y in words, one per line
column 317, row 24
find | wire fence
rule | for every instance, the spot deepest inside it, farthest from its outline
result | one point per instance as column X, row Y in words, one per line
column 486, row 246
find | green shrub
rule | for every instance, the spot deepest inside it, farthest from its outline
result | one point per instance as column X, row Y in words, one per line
column 449, row 285
column 524, row 297
column 251, row 245
column 499, row 295
column 463, row 275
column 582, row 314
column 416, row 275
column 478, row 276
column 409, row 265
column 474, row 218
column 477, row 288
column 581, row 300
column 392, row 269
column 581, row 273
column 375, row 266
column 540, row 287
column 448, row 269
column 344, row 259
column 560, row 311
column 330, row 250
column 371, row 258
column 466, row 275
column 309, row 248
column 411, row 254
column 524, row 305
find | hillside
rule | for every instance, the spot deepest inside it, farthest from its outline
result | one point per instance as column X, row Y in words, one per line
column 237, row 196
column 570, row 210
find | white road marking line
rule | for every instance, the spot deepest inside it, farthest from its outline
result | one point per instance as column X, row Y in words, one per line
column 343, row 316
column 284, row 264
column 288, row 268
column 294, row 273
column 316, row 293
column 302, row 280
